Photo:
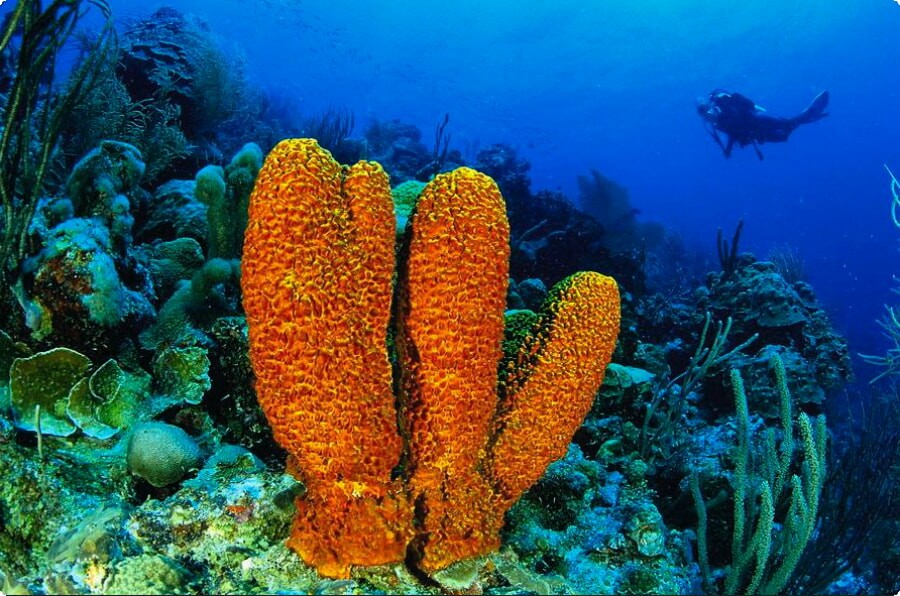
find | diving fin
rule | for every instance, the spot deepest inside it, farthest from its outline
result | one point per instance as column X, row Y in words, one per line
column 815, row 110
column 759, row 153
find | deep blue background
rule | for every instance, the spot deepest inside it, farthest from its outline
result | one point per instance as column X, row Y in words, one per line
column 611, row 85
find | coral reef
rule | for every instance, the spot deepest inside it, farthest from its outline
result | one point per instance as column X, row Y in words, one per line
column 332, row 129
column 398, row 147
column 469, row 453
column 551, row 237
column 597, row 532
column 32, row 119
column 181, row 373
column 226, row 193
column 173, row 212
column 73, row 525
column 174, row 54
column 84, row 289
column 104, row 177
column 420, row 354
column 81, row 294
column 169, row 262
column 609, row 203
column 760, row 301
column 240, row 415
column 501, row 163
column 195, row 305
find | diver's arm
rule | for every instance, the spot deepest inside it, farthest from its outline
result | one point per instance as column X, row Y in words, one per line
column 715, row 135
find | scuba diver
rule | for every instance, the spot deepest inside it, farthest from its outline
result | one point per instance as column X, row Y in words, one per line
column 745, row 123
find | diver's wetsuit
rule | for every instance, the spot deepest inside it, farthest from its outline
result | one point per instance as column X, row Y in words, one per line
column 745, row 123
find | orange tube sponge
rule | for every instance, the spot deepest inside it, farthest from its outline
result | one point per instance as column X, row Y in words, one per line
column 547, row 392
column 452, row 294
column 317, row 271
column 316, row 281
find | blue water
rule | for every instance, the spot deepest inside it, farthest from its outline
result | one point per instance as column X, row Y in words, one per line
column 610, row 85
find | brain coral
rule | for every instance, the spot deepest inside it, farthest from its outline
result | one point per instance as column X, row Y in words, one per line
column 316, row 276
column 161, row 453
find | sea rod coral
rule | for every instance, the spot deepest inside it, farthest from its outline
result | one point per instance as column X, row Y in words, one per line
column 431, row 472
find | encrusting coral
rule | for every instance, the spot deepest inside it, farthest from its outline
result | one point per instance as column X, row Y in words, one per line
column 317, row 286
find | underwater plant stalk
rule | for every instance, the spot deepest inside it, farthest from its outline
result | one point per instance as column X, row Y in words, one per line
column 40, row 437
column 765, row 554
column 704, row 358
column 702, row 550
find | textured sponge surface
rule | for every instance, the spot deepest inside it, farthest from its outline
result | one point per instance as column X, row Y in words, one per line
column 316, row 278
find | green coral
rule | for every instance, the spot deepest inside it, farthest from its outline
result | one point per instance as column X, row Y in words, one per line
column 405, row 196
column 198, row 302
column 212, row 290
column 172, row 261
column 70, row 396
column 226, row 193
column 44, row 381
column 775, row 510
column 210, row 190
column 182, row 374
column 112, row 169
column 108, row 401
column 241, row 174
